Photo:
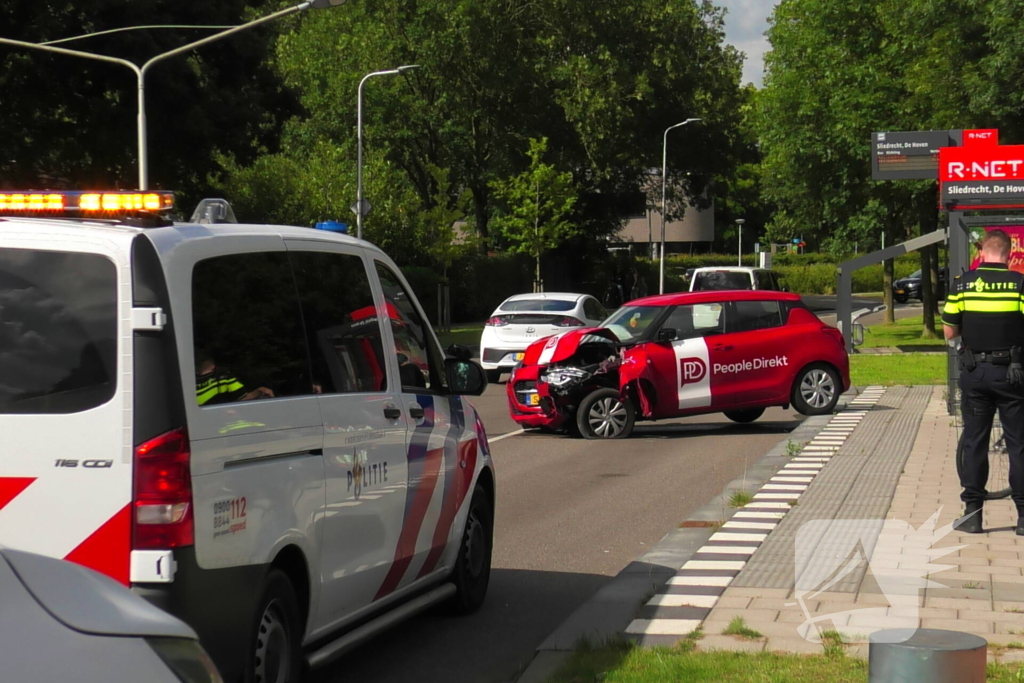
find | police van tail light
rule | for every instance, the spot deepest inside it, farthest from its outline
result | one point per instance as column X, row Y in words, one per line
column 835, row 334
column 163, row 493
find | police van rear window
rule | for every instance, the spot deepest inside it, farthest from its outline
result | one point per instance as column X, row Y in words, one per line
column 58, row 331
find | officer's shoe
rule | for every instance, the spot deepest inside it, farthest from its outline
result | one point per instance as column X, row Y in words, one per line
column 970, row 523
column 1020, row 526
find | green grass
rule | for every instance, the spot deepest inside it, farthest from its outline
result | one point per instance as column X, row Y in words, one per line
column 468, row 335
column 740, row 498
column 738, row 627
column 903, row 332
column 898, row 369
column 624, row 663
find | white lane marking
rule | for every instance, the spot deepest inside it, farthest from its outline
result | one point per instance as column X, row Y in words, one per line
column 784, row 487
column 767, row 504
column 743, row 515
column 674, row 600
column 799, row 480
column 728, row 550
column 732, row 565
column 505, row 436
column 663, row 627
column 718, row 581
column 747, row 525
column 776, row 496
column 720, row 536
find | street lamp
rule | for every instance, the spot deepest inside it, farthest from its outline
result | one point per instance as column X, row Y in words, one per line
column 361, row 207
column 739, row 241
column 140, row 72
column 664, row 174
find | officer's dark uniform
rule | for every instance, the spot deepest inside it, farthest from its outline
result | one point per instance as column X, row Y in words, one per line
column 987, row 304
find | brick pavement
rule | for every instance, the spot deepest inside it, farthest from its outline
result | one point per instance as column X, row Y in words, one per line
column 981, row 592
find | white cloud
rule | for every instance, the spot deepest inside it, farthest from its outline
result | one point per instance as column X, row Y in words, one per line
column 745, row 24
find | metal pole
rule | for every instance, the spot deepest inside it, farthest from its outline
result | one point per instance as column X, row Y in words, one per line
column 664, row 183
column 141, row 72
column 359, row 139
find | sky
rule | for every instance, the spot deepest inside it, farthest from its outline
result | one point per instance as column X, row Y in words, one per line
column 745, row 24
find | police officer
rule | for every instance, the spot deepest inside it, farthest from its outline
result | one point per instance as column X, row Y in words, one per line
column 986, row 307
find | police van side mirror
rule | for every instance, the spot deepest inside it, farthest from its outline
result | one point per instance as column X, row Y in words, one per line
column 459, row 352
column 667, row 334
column 465, row 378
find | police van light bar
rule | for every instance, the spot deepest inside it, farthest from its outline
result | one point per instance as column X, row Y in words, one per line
column 105, row 204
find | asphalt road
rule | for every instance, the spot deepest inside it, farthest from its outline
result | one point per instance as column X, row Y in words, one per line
column 570, row 515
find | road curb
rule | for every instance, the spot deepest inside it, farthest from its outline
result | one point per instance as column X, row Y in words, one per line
column 605, row 616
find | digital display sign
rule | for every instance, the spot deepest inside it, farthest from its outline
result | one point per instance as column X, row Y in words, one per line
column 910, row 155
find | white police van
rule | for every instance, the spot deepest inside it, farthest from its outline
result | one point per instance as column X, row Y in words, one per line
column 251, row 425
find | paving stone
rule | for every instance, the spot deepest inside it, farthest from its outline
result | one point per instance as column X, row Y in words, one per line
column 796, row 645
column 730, row 644
column 969, row 625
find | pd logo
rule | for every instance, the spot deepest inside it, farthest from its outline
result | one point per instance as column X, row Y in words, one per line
column 692, row 370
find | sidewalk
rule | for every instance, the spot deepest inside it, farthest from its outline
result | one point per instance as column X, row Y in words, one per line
column 890, row 455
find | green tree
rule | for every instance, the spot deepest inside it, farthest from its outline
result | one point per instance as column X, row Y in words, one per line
column 537, row 205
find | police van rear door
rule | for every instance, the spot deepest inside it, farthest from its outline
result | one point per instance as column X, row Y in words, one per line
column 65, row 449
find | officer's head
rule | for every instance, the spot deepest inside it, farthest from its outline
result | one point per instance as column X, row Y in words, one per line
column 995, row 247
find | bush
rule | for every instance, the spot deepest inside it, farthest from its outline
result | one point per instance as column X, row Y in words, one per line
column 819, row 278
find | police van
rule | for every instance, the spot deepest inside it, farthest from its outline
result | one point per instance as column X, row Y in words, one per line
column 252, row 426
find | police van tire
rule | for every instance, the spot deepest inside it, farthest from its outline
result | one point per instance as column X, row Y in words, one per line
column 604, row 415
column 816, row 389
column 744, row 416
column 472, row 571
column 275, row 645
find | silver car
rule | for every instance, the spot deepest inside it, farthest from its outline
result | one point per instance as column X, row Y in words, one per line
column 62, row 622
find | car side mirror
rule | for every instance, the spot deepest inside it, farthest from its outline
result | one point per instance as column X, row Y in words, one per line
column 465, row 378
column 459, row 352
column 667, row 334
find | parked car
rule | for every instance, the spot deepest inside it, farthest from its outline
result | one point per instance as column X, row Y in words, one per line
column 62, row 622
column 722, row 278
column 910, row 287
column 735, row 352
column 522, row 319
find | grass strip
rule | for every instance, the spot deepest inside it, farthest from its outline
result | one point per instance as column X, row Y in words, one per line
column 898, row 369
column 905, row 332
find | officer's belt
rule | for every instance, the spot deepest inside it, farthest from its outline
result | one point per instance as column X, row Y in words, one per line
column 993, row 357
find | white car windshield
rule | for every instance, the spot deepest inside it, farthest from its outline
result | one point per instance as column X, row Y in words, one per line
column 630, row 322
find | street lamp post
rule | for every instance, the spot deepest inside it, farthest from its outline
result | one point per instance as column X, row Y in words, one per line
column 140, row 72
column 664, row 178
column 360, row 209
column 739, row 241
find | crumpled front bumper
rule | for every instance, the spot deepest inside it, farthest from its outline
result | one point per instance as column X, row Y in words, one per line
column 545, row 414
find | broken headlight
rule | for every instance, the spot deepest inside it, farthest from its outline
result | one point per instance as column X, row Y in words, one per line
column 559, row 377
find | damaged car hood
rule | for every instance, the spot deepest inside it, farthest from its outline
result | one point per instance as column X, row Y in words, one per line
column 562, row 346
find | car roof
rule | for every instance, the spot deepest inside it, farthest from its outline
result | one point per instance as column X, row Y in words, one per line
column 729, row 269
column 556, row 296
column 680, row 298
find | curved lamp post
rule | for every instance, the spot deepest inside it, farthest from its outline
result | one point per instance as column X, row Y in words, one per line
column 361, row 207
column 140, row 72
column 664, row 174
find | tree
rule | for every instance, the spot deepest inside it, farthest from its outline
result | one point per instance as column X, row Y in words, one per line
column 537, row 204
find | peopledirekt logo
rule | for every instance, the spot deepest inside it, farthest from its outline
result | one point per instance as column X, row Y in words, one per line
column 692, row 370
column 747, row 365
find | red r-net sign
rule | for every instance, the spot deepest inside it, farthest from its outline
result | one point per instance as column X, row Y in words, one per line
column 980, row 176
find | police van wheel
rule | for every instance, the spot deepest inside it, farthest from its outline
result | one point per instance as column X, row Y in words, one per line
column 604, row 415
column 744, row 416
column 816, row 390
column 275, row 646
column 473, row 565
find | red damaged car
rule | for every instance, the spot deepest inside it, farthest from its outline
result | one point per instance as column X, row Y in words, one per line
column 733, row 352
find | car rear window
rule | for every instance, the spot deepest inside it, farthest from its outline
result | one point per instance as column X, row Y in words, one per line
column 722, row 279
column 58, row 331
column 538, row 305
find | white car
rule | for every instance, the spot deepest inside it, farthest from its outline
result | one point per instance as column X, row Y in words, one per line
column 716, row 278
column 522, row 319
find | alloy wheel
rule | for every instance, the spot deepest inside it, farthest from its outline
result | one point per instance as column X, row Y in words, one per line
column 607, row 418
column 817, row 388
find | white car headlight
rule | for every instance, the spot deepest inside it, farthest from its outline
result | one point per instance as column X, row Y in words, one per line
column 560, row 376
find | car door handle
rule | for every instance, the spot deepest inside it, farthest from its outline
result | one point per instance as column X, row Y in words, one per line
column 416, row 411
column 391, row 412
column 723, row 347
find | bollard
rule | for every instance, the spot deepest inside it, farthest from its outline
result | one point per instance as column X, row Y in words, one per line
column 931, row 655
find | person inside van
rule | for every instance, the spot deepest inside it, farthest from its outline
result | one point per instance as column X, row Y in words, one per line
column 214, row 385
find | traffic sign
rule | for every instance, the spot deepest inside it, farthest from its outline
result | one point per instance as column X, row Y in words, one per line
column 363, row 204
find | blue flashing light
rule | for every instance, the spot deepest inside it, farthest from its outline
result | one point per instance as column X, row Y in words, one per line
column 332, row 226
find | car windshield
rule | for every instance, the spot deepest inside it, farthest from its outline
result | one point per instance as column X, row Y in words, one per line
column 630, row 322
column 538, row 305
column 722, row 279
column 916, row 275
